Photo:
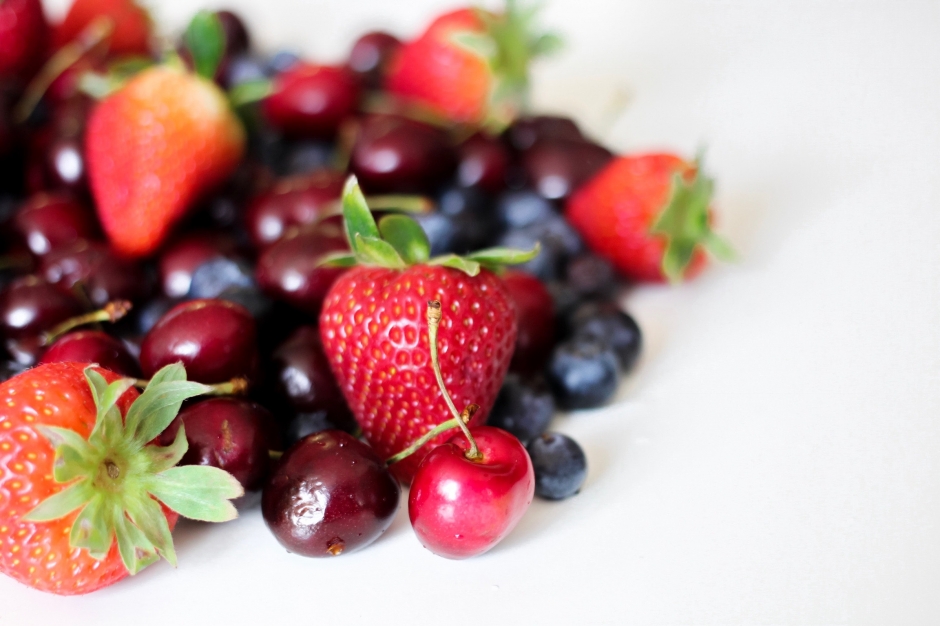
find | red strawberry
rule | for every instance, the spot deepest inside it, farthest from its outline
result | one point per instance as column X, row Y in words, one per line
column 374, row 330
column 73, row 478
column 470, row 65
column 132, row 26
column 23, row 38
column 649, row 215
column 154, row 147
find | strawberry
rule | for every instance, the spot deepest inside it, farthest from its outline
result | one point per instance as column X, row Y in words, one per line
column 470, row 65
column 131, row 26
column 649, row 215
column 23, row 38
column 154, row 147
column 374, row 329
column 74, row 476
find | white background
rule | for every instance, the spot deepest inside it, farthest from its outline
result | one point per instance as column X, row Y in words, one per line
column 774, row 458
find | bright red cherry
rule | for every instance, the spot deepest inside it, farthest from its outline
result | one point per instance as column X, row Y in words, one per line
column 93, row 346
column 214, row 339
column 311, row 100
column 535, row 311
column 460, row 506
column 294, row 201
column 48, row 222
column 289, row 270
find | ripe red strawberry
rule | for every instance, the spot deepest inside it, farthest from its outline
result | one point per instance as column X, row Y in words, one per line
column 74, row 478
column 23, row 38
column 649, row 215
column 374, row 330
column 131, row 28
column 154, row 147
column 470, row 65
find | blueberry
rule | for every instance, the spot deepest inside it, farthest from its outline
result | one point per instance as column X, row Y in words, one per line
column 306, row 156
column 604, row 321
column 282, row 61
column 518, row 209
column 560, row 466
column 304, row 424
column 566, row 300
column 150, row 313
column 558, row 241
column 440, row 229
column 472, row 213
column 583, row 373
column 244, row 68
column 216, row 275
column 590, row 276
column 258, row 304
column 524, row 408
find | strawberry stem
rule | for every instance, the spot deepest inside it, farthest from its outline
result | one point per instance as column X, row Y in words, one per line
column 111, row 312
column 235, row 387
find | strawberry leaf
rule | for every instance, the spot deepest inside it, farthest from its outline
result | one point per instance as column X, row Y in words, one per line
column 337, row 259
column 375, row 251
column 407, row 237
column 62, row 503
column 356, row 214
column 250, row 92
column 205, row 39
column 152, row 523
column 92, row 530
column 197, row 492
column 504, row 256
column 467, row 266
column 163, row 458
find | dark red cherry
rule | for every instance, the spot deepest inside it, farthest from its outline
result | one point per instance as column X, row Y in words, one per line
column 311, row 100
column 395, row 154
column 483, row 162
column 525, row 131
column 302, row 381
column 28, row 307
column 555, row 168
column 289, row 270
column 102, row 276
column 65, row 165
column 294, row 201
column 93, row 346
column 237, row 39
column 329, row 495
column 535, row 310
column 48, row 222
column 181, row 258
column 370, row 55
column 232, row 434
column 215, row 340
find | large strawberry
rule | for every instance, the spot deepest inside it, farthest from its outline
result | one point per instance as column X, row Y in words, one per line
column 471, row 65
column 23, row 39
column 650, row 216
column 130, row 25
column 374, row 329
column 155, row 146
column 84, row 500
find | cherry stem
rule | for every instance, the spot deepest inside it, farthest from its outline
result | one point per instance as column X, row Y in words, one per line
column 111, row 312
column 434, row 321
column 454, row 422
column 235, row 387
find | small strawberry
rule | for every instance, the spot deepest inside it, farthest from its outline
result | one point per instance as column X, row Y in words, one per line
column 373, row 328
column 75, row 476
column 131, row 26
column 471, row 65
column 154, row 147
column 23, row 39
column 649, row 215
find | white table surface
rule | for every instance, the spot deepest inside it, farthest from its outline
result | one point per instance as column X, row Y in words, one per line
column 773, row 460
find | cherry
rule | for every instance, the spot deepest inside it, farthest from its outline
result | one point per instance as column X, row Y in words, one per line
column 295, row 201
column 329, row 495
column 51, row 221
column 395, row 154
column 65, row 165
column 232, row 434
column 535, row 337
column 483, row 162
column 181, row 258
column 28, row 307
column 461, row 506
column 237, row 39
column 102, row 276
column 557, row 167
column 370, row 55
column 214, row 339
column 289, row 270
column 525, row 131
column 311, row 100
column 93, row 346
column 303, row 383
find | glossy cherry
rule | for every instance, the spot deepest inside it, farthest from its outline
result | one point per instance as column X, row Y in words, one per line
column 294, row 201
column 536, row 313
column 181, row 258
column 483, row 162
column 557, row 167
column 370, row 55
column 28, row 307
column 289, row 270
column 525, row 131
column 237, row 39
column 48, row 222
column 102, row 276
column 214, row 339
column 311, row 100
column 395, row 154
column 461, row 507
column 93, row 346
column 329, row 495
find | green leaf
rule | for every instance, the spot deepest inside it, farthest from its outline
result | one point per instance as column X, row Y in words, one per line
column 109, row 400
column 468, row 267
column 504, row 256
column 478, row 43
column 250, row 92
column 92, row 529
column 407, row 237
column 719, row 248
column 205, row 39
column 71, row 463
column 97, row 384
column 163, row 458
column 356, row 214
column 158, row 405
column 136, row 550
column 198, row 492
column 337, row 259
column 547, row 44
column 62, row 503
column 374, row 251
column 148, row 516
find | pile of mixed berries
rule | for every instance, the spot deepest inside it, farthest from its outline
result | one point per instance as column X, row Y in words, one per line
column 223, row 271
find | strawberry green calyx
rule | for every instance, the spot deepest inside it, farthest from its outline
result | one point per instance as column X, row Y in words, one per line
column 397, row 241
column 117, row 481
column 205, row 40
column 684, row 222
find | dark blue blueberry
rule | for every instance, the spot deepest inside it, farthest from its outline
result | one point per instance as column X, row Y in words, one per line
column 244, row 68
column 150, row 313
column 305, row 424
column 558, row 240
column 590, row 276
column 305, row 156
column 282, row 61
column 440, row 229
column 472, row 213
column 566, row 301
column 560, row 466
column 216, row 275
column 524, row 408
column 606, row 322
column 518, row 209
column 258, row 304
column 9, row 369
column 583, row 373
